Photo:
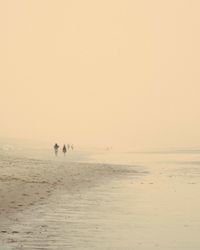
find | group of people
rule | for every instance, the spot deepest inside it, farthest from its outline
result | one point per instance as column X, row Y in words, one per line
column 64, row 149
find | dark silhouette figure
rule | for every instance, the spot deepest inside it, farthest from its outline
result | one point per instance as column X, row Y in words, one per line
column 56, row 147
column 64, row 149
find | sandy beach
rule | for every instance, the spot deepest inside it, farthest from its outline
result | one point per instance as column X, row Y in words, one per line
column 29, row 183
column 143, row 205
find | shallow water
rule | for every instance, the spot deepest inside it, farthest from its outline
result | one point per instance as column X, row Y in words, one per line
column 158, row 210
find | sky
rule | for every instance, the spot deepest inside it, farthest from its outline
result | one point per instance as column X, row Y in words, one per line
column 101, row 73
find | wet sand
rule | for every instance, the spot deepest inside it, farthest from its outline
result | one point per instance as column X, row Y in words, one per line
column 29, row 184
column 58, row 206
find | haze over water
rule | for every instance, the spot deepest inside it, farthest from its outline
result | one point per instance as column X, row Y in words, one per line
column 107, row 73
column 114, row 74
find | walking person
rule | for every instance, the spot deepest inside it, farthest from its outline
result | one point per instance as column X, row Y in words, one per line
column 64, row 149
column 56, row 147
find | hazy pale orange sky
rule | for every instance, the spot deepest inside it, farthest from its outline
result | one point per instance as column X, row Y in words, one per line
column 103, row 72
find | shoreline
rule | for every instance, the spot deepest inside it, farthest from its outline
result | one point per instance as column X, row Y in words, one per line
column 56, row 205
column 28, row 182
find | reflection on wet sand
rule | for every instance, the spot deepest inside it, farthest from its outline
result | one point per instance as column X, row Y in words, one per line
column 99, row 206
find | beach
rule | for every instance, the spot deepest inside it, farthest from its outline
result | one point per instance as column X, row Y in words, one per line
column 100, row 118
column 151, row 202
